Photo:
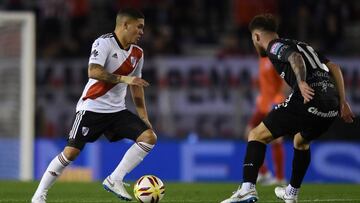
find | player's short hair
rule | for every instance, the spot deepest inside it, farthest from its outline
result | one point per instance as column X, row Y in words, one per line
column 130, row 12
column 265, row 22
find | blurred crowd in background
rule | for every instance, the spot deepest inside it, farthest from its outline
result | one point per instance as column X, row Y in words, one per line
column 65, row 30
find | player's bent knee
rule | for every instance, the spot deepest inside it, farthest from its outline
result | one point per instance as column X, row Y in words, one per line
column 148, row 136
column 255, row 136
column 71, row 153
column 301, row 146
column 260, row 134
column 300, row 143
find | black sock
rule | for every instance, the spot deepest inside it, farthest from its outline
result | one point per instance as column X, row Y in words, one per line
column 254, row 158
column 300, row 165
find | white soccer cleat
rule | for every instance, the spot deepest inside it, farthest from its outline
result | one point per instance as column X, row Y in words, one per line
column 241, row 196
column 280, row 193
column 39, row 199
column 117, row 188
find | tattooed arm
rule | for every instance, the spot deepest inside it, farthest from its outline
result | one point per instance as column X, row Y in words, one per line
column 97, row 72
column 298, row 66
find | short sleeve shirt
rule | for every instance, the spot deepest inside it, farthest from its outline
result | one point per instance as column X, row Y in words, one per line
column 102, row 97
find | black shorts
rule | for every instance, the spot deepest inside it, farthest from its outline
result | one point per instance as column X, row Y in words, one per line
column 89, row 126
column 292, row 117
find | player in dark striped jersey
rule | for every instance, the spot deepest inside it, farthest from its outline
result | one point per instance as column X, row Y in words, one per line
column 318, row 98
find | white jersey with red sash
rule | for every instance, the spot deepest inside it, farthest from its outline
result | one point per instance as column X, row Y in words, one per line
column 102, row 97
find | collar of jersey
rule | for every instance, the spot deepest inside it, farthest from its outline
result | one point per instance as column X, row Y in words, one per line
column 118, row 42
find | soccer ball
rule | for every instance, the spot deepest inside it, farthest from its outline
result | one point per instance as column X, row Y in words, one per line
column 149, row 189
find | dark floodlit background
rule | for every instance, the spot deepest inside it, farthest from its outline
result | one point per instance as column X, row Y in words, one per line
column 202, row 68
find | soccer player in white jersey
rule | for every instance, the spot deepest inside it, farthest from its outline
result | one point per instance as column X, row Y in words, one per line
column 115, row 62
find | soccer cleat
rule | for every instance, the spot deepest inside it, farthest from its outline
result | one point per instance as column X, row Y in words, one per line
column 39, row 199
column 117, row 188
column 241, row 196
column 280, row 193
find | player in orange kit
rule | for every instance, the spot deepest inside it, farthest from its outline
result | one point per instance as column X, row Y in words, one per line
column 271, row 92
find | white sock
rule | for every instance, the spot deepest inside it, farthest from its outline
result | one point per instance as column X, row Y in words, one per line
column 54, row 170
column 247, row 186
column 290, row 190
column 134, row 155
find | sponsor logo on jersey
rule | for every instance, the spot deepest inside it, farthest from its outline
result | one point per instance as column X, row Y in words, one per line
column 328, row 114
column 323, row 84
column 276, row 47
column 96, row 44
column 285, row 103
column 94, row 53
column 133, row 61
column 115, row 55
column 319, row 74
column 85, row 130
column 281, row 50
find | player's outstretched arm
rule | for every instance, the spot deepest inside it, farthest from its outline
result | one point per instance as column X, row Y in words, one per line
column 137, row 94
column 345, row 110
column 97, row 72
column 298, row 65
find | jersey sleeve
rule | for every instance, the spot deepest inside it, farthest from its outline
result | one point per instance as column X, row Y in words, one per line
column 99, row 52
column 139, row 66
column 280, row 50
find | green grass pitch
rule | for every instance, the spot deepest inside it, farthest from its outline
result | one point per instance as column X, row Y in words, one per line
column 93, row 192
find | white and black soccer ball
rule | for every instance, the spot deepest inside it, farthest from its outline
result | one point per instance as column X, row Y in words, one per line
column 149, row 189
